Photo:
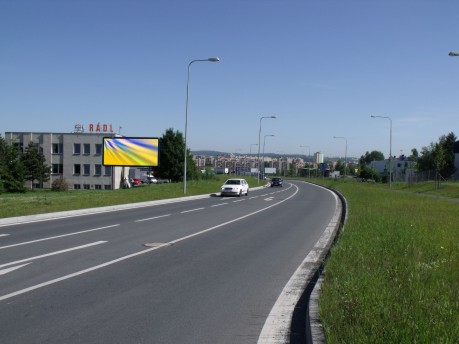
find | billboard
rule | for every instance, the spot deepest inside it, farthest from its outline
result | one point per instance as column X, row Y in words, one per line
column 130, row 151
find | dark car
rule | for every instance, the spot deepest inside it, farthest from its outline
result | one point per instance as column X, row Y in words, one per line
column 276, row 181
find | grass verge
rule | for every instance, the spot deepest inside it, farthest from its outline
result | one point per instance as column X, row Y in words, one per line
column 393, row 275
column 46, row 201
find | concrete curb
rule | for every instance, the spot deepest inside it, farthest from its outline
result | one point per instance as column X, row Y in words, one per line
column 316, row 334
column 82, row 212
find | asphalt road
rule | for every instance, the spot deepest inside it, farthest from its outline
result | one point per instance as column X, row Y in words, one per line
column 207, row 270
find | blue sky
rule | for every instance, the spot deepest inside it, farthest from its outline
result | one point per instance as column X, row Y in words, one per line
column 321, row 67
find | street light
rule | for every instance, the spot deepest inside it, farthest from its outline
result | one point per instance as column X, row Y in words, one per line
column 345, row 152
column 452, row 53
column 252, row 144
column 390, row 147
column 259, row 134
column 309, row 155
column 210, row 59
column 263, row 159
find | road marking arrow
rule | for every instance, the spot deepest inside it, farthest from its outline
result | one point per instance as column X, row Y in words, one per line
column 5, row 271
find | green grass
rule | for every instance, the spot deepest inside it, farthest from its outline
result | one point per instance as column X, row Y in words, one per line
column 393, row 275
column 445, row 189
column 46, row 201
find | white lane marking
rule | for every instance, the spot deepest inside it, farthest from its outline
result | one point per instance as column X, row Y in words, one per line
column 78, row 273
column 98, row 210
column 5, row 271
column 218, row 205
column 3, row 235
column 276, row 329
column 53, row 253
column 100, row 266
column 231, row 221
column 239, row 200
column 268, row 199
column 58, row 236
column 191, row 210
column 152, row 218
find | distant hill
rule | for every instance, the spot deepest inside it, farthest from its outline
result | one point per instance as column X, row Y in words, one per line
column 208, row 153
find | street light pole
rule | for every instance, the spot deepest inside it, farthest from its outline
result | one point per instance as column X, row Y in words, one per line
column 252, row 144
column 263, row 159
column 390, row 147
column 345, row 153
column 309, row 155
column 259, row 136
column 210, row 59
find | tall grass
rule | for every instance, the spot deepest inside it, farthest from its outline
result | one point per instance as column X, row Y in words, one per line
column 393, row 276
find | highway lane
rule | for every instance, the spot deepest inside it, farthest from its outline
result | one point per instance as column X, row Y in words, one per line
column 201, row 271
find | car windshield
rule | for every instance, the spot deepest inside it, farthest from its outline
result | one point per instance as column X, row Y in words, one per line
column 233, row 182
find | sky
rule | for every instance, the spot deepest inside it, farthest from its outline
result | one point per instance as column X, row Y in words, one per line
column 321, row 67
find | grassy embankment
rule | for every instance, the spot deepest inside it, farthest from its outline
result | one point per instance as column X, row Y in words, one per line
column 46, row 201
column 393, row 275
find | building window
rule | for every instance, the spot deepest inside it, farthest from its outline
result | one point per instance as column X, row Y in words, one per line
column 107, row 187
column 98, row 187
column 98, row 148
column 76, row 148
column 58, row 148
column 108, row 170
column 86, row 186
column 87, row 148
column 86, row 169
column 97, row 170
column 77, row 169
column 58, row 169
column 76, row 186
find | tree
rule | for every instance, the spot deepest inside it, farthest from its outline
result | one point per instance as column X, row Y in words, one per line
column 11, row 168
column 341, row 167
column 447, row 143
column 439, row 156
column 369, row 157
column 34, row 162
column 367, row 172
column 414, row 155
column 171, row 157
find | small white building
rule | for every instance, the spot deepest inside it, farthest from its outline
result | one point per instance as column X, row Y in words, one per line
column 402, row 169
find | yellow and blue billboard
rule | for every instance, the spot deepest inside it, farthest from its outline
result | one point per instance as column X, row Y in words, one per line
column 130, row 151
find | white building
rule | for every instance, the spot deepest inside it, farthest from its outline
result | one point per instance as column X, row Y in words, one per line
column 77, row 157
column 402, row 169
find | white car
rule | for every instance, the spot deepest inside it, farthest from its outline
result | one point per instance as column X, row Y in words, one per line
column 148, row 179
column 235, row 187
